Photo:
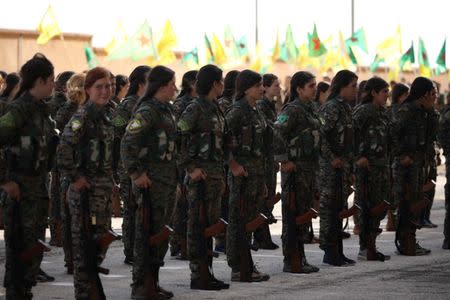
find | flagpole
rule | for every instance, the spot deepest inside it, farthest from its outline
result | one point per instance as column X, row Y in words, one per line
column 353, row 16
column 256, row 23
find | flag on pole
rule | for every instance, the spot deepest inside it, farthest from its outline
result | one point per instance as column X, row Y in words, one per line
column 190, row 59
column 218, row 50
column 231, row 47
column 408, row 56
column 315, row 46
column 441, row 65
column 120, row 37
column 165, row 45
column 48, row 27
column 209, row 50
column 276, row 54
column 91, row 59
column 358, row 39
column 424, row 64
column 289, row 51
column 376, row 62
column 391, row 48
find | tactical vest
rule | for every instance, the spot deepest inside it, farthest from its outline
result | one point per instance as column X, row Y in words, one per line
column 304, row 140
column 158, row 143
column 207, row 141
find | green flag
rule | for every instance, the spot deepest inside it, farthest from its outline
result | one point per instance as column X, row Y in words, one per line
column 243, row 49
column 441, row 67
column 315, row 46
column 91, row 59
column 351, row 55
column 190, row 59
column 138, row 46
column 376, row 62
column 231, row 47
column 209, row 50
column 358, row 39
column 408, row 56
column 289, row 51
column 424, row 64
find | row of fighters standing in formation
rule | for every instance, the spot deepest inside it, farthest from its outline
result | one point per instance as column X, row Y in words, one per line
column 175, row 162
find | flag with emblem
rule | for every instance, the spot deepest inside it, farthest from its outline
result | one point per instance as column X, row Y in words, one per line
column 407, row 57
column 315, row 46
column 376, row 63
column 190, row 59
column 138, row 46
column 231, row 46
column 441, row 66
column 424, row 63
column 166, row 43
column 120, row 37
column 219, row 53
column 358, row 39
column 48, row 28
column 289, row 51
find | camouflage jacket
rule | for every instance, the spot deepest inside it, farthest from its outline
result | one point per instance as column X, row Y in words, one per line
column 28, row 137
column 444, row 130
column 149, row 142
column 336, row 131
column 202, row 128
column 180, row 104
column 246, row 132
column 55, row 103
column 86, row 146
column 123, row 114
column 297, row 135
column 64, row 114
column 224, row 103
column 409, row 132
column 371, row 129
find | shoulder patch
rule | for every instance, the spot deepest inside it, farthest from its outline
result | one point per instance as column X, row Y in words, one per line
column 76, row 124
column 119, row 121
column 7, row 120
column 282, row 119
column 134, row 126
column 183, row 125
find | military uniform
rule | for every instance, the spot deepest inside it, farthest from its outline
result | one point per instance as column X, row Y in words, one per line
column 371, row 126
column 122, row 116
column 246, row 130
column 224, row 103
column 444, row 140
column 149, row 146
column 202, row 127
column 86, row 150
column 409, row 139
column 27, row 135
column 180, row 213
column 63, row 116
column 297, row 140
column 336, row 142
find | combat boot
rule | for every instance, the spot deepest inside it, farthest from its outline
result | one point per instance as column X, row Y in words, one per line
column 446, row 244
column 258, row 276
column 332, row 257
column 390, row 225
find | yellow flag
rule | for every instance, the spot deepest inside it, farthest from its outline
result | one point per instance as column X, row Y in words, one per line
column 276, row 50
column 120, row 37
column 48, row 27
column 391, row 48
column 424, row 71
column 168, row 38
column 344, row 59
column 218, row 50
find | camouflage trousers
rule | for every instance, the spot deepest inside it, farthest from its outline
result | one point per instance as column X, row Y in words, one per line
column 372, row 188
column 304, row 194
column 246, row 194
column 447, row 198
column 31, row 212
column 55, row 202
column 407, row 190
column 430, row 173
column 334, row 190
column 99, row 206
column 179, row 219
column 162, row 202
column 66, row 223
column 129, row 215
column 209, row 195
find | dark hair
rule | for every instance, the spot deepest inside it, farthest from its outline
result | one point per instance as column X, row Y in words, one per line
column 11, row 80
column 61, row 81
column 121, row 81
column 361, row 91
column 158, row 77
column 341, row 80
column 229, row 84
column 419, row 88
column 3, row 74
column 373, row 84
column 206, row 77
column 322, row 87
column 95, row 74
column 397, row 91
column 138, row 76
column 299, row 79
column 268, row 79
column 187, row 82
column 245, row 80
column 37, row 67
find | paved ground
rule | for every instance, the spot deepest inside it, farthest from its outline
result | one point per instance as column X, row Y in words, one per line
column 426, row 277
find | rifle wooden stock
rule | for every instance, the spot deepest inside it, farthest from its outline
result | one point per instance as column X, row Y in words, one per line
column 275, row 199
column 255, row 223
column 38, row 247
column 216, row 229
column 306, row 217
column 417, row 207
column 347, row 213
column 161, row 236
column 428, row 186
column 107, row 239
column 379, row 209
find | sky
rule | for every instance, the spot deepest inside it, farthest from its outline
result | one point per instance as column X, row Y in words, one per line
column 191, row 19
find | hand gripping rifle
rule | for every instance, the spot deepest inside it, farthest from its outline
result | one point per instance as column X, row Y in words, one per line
column 154, row 239
column 94, row 248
